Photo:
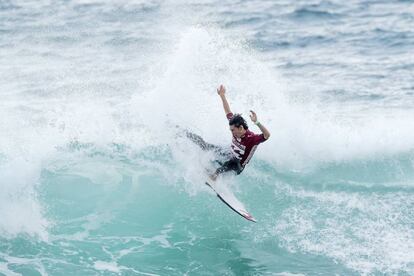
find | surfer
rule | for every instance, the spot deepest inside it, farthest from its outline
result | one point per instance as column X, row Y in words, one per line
column 244, row 142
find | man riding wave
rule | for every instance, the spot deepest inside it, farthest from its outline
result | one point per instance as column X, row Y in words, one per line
column 244, row 141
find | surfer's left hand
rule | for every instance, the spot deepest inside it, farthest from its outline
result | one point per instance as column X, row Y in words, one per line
column 253, row 116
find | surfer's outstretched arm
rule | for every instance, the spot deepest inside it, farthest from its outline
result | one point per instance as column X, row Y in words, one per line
column 222, row 93
column 253, row 117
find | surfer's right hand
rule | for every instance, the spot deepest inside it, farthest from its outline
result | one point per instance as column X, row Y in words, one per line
column 221, row 90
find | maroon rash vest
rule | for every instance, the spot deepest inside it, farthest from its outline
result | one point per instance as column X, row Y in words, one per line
column 244, row 148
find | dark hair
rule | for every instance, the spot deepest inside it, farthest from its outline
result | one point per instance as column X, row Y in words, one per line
column 237, row 120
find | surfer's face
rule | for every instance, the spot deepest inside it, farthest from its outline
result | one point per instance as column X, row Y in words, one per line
column 237, row 132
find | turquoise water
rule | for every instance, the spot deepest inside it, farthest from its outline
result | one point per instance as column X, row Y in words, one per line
column 96, row 179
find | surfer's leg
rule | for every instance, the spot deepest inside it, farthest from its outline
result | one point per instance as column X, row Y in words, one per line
column 230, row 165
column 204, row 145
column 239, row 168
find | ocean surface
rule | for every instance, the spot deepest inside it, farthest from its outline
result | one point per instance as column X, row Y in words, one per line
column 96, row 179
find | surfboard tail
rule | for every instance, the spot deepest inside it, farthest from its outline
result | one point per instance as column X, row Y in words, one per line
column 242, row 213
column 247, row 216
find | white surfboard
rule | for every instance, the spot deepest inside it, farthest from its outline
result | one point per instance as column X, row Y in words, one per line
column 225, row 195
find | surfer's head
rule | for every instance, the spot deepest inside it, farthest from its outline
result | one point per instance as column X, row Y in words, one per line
column 238, row 126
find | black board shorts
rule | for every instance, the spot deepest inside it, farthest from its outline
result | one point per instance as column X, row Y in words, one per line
column 231, row 165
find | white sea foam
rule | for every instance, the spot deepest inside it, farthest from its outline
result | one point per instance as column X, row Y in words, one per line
column 367, row 233
column 34, row 262
column 111, row 267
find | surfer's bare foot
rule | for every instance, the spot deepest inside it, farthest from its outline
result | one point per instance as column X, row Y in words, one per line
column 213, row 176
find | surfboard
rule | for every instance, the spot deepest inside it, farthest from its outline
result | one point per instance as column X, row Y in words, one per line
column 228, row 198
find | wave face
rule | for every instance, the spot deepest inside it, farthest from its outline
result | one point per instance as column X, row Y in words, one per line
column 97, row 179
